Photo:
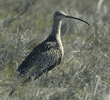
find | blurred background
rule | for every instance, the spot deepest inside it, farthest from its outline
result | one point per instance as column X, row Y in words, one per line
column 84, row 73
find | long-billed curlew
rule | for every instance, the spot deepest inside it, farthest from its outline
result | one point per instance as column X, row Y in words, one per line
column 47, row 54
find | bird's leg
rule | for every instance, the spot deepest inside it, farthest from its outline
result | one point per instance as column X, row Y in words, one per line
column 46, row 78
column 12, row 91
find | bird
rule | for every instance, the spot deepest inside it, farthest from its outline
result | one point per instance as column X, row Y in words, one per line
column 48, row 54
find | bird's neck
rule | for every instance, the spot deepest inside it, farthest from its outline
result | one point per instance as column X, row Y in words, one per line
column 56, row 29
column 56, row 33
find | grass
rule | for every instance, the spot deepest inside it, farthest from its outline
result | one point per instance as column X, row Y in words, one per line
column 84, row 73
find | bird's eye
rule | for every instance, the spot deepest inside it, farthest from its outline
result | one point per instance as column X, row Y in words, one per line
column 57, row 14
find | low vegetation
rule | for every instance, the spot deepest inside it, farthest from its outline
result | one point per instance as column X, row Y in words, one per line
column 84, row 73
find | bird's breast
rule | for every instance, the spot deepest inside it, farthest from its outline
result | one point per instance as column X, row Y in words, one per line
column 61, row 46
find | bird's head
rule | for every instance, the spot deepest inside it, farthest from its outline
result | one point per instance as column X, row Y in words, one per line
column 59, row 15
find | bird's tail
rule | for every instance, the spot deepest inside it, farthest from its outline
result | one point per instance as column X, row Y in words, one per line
column 19, row 82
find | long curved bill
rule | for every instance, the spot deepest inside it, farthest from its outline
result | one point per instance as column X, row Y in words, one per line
column 77, row 19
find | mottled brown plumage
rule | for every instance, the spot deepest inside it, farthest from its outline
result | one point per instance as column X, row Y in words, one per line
column 44, row 57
